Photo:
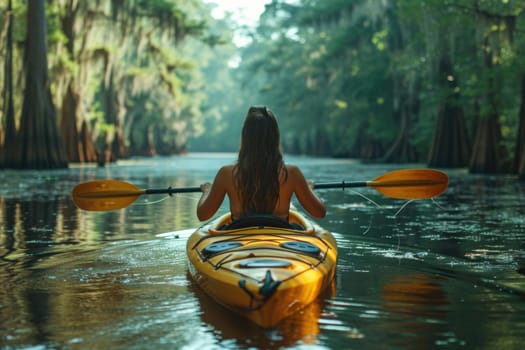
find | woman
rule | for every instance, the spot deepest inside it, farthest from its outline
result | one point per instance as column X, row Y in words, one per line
column 260, row 182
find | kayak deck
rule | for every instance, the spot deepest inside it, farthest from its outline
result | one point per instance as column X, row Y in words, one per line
column 263, row 273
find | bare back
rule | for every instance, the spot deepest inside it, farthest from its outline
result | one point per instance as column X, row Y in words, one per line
column 294, row 182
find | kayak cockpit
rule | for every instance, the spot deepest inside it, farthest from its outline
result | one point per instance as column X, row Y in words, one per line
column 295, row 222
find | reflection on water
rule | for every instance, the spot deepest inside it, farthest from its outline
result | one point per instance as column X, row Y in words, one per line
column 417, row 307
column 439, row 274
column 300, row 328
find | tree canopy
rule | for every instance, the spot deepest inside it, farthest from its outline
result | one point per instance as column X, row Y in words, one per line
column 436, row 81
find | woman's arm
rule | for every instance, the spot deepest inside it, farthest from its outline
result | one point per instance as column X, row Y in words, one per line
column 305, row 194
column 212, row 196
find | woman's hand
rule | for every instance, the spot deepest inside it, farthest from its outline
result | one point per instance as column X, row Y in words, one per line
column 205, row 187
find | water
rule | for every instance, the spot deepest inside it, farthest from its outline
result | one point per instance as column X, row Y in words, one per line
column 444, row 273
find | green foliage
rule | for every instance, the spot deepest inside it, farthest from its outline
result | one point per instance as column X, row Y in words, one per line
column 129, row 66
column 336, row 72
column 325, row 69
column 332, row 68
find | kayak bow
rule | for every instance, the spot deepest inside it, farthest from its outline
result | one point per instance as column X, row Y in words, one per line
column 261, row 272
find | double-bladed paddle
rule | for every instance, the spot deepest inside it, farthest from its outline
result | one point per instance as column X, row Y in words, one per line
column 104, row 195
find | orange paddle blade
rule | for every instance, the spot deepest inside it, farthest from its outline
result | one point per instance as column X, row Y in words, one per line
column 411, row 183
column 104, row 195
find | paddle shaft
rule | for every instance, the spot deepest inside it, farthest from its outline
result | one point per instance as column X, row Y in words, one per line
column 393, row 183
column 342, row 184
column 102, row 195
column 320, row 186
column 172, row 190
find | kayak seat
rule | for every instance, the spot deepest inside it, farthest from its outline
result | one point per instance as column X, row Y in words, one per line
column 264, row 220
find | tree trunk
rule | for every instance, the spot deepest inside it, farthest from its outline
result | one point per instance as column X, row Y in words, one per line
column 40, row 146
column 89, row 153
column 68, row 126
column 519, row 153
column 402, row 150
column 365, row 147
column 116, row 148
column 450, row 145
column 110, row 100
column 489, row 155
column 7, row 149
column 151, row 136
column 521, row 168
column 405, row 99
column 78, row 147
column 320, row 146
column 70, row 102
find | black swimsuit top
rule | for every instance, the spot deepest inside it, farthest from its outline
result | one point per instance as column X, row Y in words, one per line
column 261, row 216
column 258, row 220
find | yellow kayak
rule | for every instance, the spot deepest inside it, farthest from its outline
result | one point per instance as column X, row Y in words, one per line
column 263, row 268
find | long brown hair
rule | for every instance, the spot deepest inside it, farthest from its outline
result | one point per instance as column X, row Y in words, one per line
column 260, row 162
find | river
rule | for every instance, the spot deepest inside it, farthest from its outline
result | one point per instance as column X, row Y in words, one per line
column 445, row 273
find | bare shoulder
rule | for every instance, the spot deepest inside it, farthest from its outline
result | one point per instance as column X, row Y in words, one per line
column 294, row 175
column 225, row 174
column 293, row 170
column 226, row 169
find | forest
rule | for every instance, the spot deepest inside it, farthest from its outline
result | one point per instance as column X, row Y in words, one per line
column 439, row 82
